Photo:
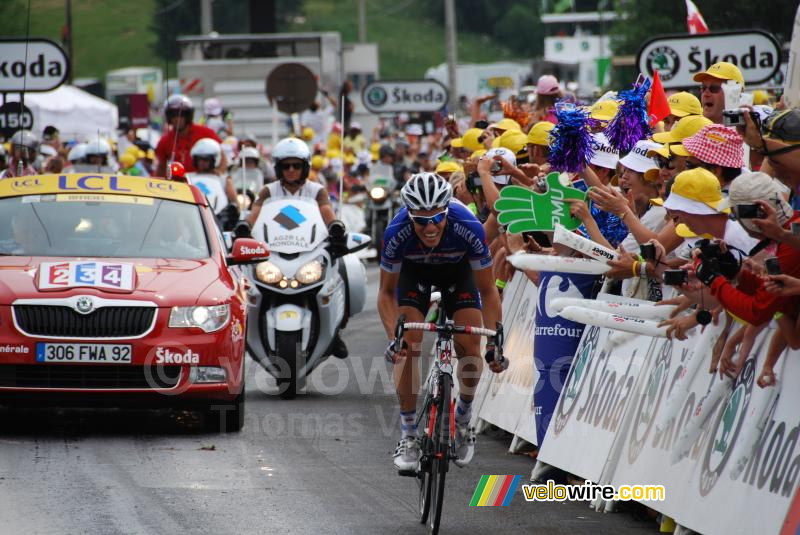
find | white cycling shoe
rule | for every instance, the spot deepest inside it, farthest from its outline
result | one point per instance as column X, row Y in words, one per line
column 406, row 455
column 465, row 445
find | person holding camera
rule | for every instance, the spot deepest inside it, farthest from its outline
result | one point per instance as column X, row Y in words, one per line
column 712, row 97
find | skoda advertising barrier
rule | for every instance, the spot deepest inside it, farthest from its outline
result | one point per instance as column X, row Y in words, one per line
column 38, row 65
column 677, row 58
column 404, row 96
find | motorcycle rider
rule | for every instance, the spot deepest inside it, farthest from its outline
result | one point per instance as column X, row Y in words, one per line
column 292, row 165
column 206, row 155
column 24, row 147
column 435, row 240
column 96, row 155
column 177, row 142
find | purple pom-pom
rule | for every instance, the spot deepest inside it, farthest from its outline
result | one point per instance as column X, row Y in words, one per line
column 570, row 140
column 632, row 122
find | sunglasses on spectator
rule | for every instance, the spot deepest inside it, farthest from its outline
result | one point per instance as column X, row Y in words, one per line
column 423, row 220
column 664, row 163
column 713, row 89
column 292, row 165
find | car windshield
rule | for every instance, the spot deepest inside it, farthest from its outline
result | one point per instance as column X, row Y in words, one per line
column 102, row 226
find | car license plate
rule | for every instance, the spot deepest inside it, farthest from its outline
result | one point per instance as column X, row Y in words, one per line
column 100, row 353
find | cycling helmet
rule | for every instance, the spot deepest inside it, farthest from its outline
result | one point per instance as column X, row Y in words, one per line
column 206, row 148
column 179, row 105
column 291, row 147
column 77, row 153
column 426, row 191
column 26, row 139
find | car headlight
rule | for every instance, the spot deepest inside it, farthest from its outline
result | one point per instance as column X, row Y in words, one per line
column 310, row 272
column 268, row 273
column 377, row 194
column 208, row 318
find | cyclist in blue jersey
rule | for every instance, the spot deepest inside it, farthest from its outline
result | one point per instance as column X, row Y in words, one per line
column 436, row 241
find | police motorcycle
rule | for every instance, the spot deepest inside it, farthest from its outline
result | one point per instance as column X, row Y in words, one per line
column 211, row 184
column 382, row 203
column 248, row 181
column 304, row 295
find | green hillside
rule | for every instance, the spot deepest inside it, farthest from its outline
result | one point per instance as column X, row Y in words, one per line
column 109, row 34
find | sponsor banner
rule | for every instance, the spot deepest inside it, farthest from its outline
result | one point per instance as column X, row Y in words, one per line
column 96, row 184
column 33, row 64
column 703, row 489
column 408, row 96
column 105, row 275
column 508, row 393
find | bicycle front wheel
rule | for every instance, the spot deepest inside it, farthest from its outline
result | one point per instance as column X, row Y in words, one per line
column 424, row 474
column 441, row 454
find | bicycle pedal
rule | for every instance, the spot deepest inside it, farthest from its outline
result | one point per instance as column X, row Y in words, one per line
column 407, row 473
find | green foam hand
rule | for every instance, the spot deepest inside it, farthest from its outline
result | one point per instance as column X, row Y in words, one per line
column 525, row 210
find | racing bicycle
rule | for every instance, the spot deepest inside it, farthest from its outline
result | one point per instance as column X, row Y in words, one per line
column 437, row 417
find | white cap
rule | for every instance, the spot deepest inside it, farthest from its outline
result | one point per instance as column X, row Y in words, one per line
column 637, row 160
column 604, row 154
column 414, row 129
column 508, row 156
column 212, row 106
column 355, row 125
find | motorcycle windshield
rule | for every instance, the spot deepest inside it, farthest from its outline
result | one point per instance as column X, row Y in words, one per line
column 211, row 186
column 290, row 225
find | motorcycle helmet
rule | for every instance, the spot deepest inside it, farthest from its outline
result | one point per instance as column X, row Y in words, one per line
column 179, row 105
column 77, row 153
column 26, row 140
column 206, row 148
column 292, row 148
column 99, row 147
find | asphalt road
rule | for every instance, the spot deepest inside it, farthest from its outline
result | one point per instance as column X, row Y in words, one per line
column 318, row 464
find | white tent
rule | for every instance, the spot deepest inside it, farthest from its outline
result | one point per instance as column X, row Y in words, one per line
column 76, row 113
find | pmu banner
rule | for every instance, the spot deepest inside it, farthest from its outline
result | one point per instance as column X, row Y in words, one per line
column 554, row 342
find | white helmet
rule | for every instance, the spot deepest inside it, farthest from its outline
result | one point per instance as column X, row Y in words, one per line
column 291, row 147
column 249, row 152
column 98, row 147
column 207, row 148
column 426, row 191
column 77, row 153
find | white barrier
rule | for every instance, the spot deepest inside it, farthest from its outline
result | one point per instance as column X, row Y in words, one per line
column 628, row 400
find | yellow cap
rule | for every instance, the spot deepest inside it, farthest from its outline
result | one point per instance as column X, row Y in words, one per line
column 127, row 160
column 683, row 104
column 685, row 232
column 539, row 133
column 317, row 162
column 477, row 154
column 448, row 166
column 513, row 140
column 151, row 154
column 132, row 149
column 604, row 110
column 349, row 158
column 721, row 71
column 470, row 139
column 334, row 142
column 308, row 133
column 658, row 201
column 678, row 149
column 496, row 142
column 456, row 142
column 506, row 124
column 333, row 153
column 662, row 151
column 760, row 97
column 651, row 175
column 696, row 191
column 688, row 126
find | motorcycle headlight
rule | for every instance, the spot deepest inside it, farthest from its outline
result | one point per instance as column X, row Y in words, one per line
column 377, row 194
column 208, row 318
column 310, row 272
column 243, row 201
column 268, row 273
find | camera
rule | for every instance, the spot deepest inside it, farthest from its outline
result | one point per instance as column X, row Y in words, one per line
column 708, row 249
column 648, row 251
column 772, row 266
column 750, row 211
column 734, row 118
column 473, row 181
column 496, row 167
column 675, row 277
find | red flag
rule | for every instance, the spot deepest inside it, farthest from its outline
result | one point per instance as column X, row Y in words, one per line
column 659, row 105
column 694, row 20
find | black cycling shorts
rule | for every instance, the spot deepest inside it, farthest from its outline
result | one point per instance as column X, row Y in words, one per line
column 456, row 282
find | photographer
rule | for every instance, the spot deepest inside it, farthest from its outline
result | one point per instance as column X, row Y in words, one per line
column 749, row 300
column 780, row 139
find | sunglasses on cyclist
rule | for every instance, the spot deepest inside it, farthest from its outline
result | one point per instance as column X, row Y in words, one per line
column 713, row 89
column 292, row 165
column 423, row 220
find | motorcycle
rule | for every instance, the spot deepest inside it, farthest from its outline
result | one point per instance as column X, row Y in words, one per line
column 380, row 208
column 306, row 292
column 226, row 212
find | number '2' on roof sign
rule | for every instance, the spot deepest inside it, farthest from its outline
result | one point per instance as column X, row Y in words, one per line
column 405, row 96
column 43, row 68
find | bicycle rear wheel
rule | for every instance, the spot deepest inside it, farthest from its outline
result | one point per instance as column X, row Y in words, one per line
column 440, row 459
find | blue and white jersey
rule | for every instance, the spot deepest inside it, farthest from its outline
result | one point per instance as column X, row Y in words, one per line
column 463, row 236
